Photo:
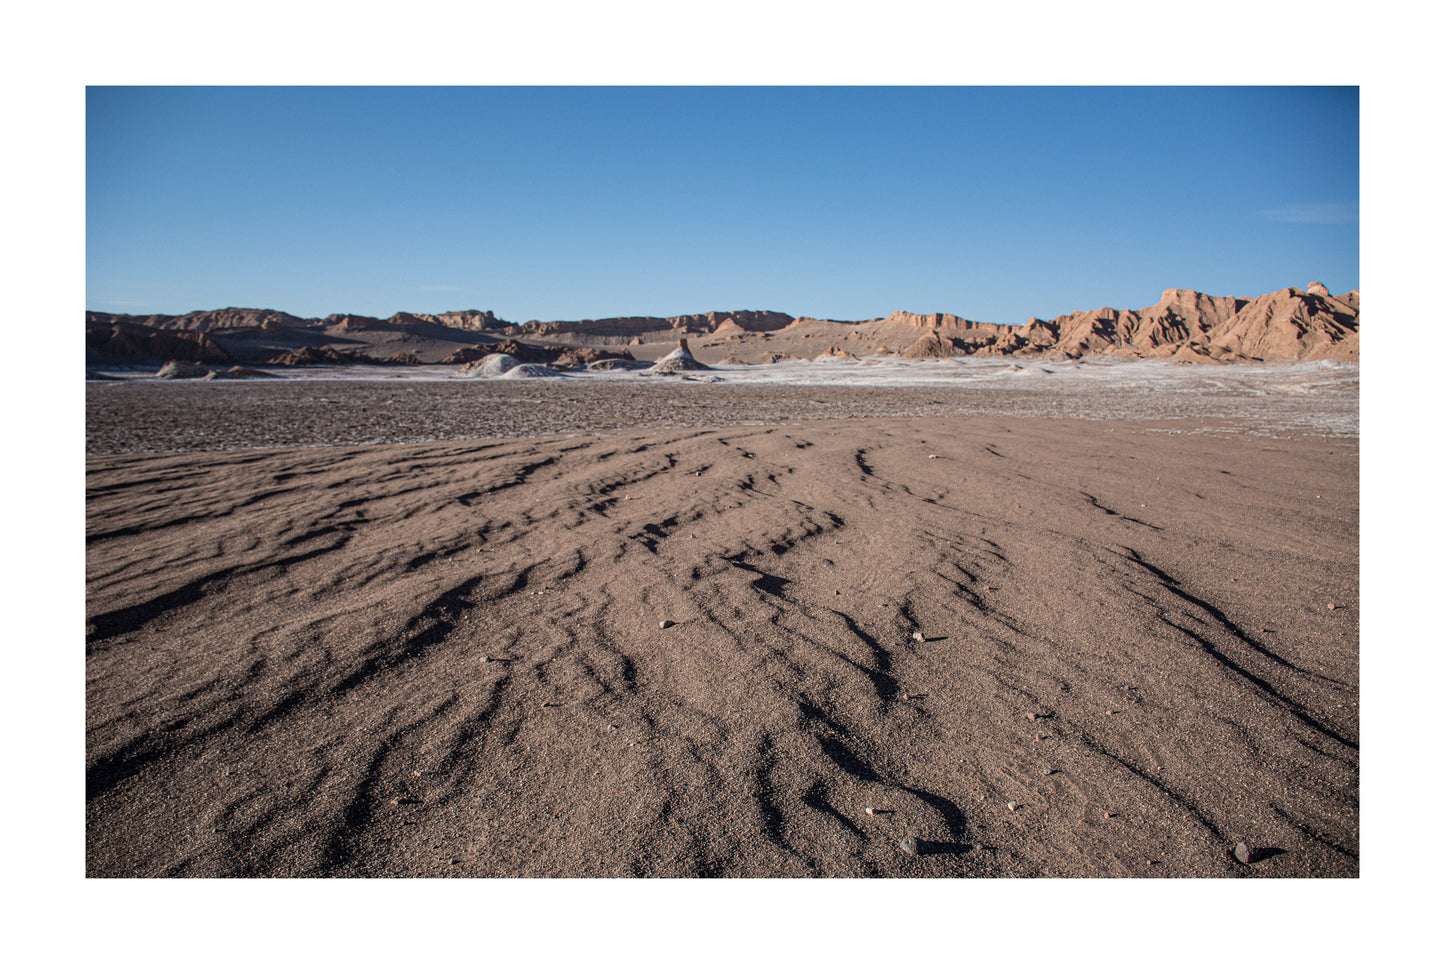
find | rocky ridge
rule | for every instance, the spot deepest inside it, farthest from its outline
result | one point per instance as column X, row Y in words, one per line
column 1185, row 326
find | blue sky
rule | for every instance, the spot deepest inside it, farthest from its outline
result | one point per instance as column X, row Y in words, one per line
column 563, row 203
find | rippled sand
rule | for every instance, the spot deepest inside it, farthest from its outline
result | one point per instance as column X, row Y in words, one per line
column 445, row 658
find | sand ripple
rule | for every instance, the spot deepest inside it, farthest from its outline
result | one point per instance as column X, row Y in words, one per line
column 445, row 659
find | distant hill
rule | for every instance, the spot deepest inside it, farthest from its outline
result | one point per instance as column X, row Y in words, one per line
column 1185, row 326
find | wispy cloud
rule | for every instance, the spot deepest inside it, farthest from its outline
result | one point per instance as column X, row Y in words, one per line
column 1314, row 213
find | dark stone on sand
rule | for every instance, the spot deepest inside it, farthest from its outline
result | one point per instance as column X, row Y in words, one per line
column 912, row 845
column 1245, row 854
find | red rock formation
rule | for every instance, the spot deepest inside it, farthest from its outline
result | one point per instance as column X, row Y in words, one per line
column 1184, row 324
column 1288, row 324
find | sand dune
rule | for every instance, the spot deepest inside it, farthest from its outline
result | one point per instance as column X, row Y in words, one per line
column 446, row 659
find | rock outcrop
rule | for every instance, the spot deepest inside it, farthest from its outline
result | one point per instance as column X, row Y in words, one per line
column 627, row 329
column 491, row 365
column 123, row 340
column 204, row 320
column 931, row 345
column 1186, row 326
column 679, row 360
column 325, row 355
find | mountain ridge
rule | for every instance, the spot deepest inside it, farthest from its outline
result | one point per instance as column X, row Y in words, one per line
column 1185, row 325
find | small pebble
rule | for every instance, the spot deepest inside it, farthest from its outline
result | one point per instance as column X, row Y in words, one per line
column 1245, row 854
column 664, row 624
column 454, row 861
column 1332, row 605
column 1048, row 772
column 933, row 456
column 1033, row 717
column 1110, row 816
column 1012, row 805
column 871, row 811
column 918, row 635
column 911, row 845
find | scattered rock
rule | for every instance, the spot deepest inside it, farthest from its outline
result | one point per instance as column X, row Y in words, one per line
column 665, row 624
column 911, row 845
column 1331, row 606
column 1244, row 853
column 918, row 635
column 1012, row 805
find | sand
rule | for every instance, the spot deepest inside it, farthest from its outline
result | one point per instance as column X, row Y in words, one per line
column 446, row 658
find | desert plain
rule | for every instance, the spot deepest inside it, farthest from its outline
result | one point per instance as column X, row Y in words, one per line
column 1098, row 622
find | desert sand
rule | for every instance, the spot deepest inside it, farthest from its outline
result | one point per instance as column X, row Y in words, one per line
column 805, row 646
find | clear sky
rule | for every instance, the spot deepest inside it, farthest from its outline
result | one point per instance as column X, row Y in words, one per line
column 996, row 204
